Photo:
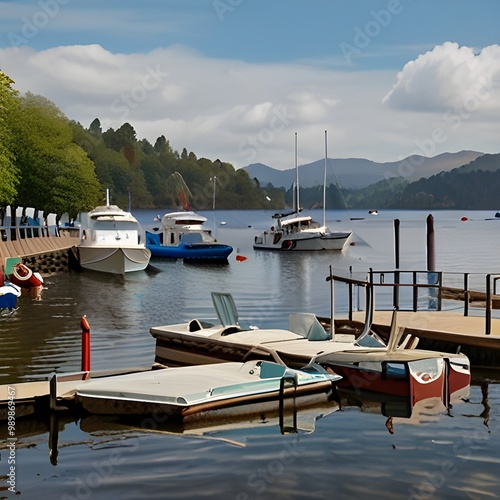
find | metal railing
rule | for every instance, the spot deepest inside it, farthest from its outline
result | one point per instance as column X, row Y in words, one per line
column 401, row 280
column 14, row 233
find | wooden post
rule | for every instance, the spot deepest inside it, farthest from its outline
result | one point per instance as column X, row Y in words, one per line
column 431, row 261
column 332, row 306
column 431, row 257
column 395, row 291
column 85, row 346
column 396, row 243
column 488, row 305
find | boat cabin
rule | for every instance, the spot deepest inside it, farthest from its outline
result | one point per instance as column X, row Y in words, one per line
column 110, row 225
column 297, row 224
column 184, row 227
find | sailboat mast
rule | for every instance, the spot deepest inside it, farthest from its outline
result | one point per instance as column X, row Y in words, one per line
column 324, row 181
column 297, row 203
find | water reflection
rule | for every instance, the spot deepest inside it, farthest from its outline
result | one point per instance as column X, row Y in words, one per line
column 236, row 429
column 44, row 336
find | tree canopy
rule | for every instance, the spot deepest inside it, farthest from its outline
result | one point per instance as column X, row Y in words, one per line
column 9, row 172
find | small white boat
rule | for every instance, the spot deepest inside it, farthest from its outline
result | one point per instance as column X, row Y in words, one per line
column 222, row 389
column 112, row 241
column 201, row 342
column 9, row 293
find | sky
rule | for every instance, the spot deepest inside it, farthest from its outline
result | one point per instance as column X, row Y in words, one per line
column 235, row 80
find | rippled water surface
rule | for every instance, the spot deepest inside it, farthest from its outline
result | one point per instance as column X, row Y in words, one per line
column 345, row 452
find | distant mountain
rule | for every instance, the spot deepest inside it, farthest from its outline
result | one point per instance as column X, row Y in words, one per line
column 487, row 163
column 359, row 173
column 473, row 186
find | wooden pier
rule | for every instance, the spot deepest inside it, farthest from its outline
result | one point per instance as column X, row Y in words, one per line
column 45, row 252
column 419, row 296
column 29, row 247
column 41, row 242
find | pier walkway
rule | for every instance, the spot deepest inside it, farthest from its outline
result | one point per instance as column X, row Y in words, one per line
column 418, row 297
column 29, row 247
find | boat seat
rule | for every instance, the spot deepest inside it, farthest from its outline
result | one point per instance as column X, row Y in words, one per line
column 230, row 329
column 196, row 325
column 225, row 308
column 271, row 370
column 308, row 326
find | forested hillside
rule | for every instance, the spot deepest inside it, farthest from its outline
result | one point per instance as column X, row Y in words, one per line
column 150, row 173
column 56, row 165
column 473, row 186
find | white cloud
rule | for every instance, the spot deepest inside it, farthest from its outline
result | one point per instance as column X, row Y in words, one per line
column 448, row 76
column 244, row 113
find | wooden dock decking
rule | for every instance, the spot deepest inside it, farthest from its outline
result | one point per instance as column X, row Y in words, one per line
column 28, row 247
column 444, row 331
column 418, row 297
column 441, row 325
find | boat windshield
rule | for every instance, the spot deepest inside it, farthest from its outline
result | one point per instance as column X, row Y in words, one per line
column 196, row 237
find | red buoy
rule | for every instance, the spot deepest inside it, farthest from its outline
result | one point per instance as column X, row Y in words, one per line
column 241, row 258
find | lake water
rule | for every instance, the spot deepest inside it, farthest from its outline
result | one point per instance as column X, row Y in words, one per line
column 344, row 452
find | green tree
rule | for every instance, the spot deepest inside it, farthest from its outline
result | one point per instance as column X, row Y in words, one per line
column 9, row 173
column 56, row 174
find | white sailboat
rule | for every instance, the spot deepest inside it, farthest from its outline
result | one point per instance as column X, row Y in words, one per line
column 300, row 232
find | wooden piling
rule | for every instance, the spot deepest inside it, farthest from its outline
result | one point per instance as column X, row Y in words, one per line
column 431, row 250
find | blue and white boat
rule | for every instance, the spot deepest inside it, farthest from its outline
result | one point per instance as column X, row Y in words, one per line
column 182, row 236
column 9, row 293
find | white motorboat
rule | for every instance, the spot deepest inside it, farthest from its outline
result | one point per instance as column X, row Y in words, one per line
column 295, row 232
column 112, row 241
column 216, row 390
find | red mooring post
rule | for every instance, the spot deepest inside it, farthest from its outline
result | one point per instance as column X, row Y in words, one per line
column 85, row 346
